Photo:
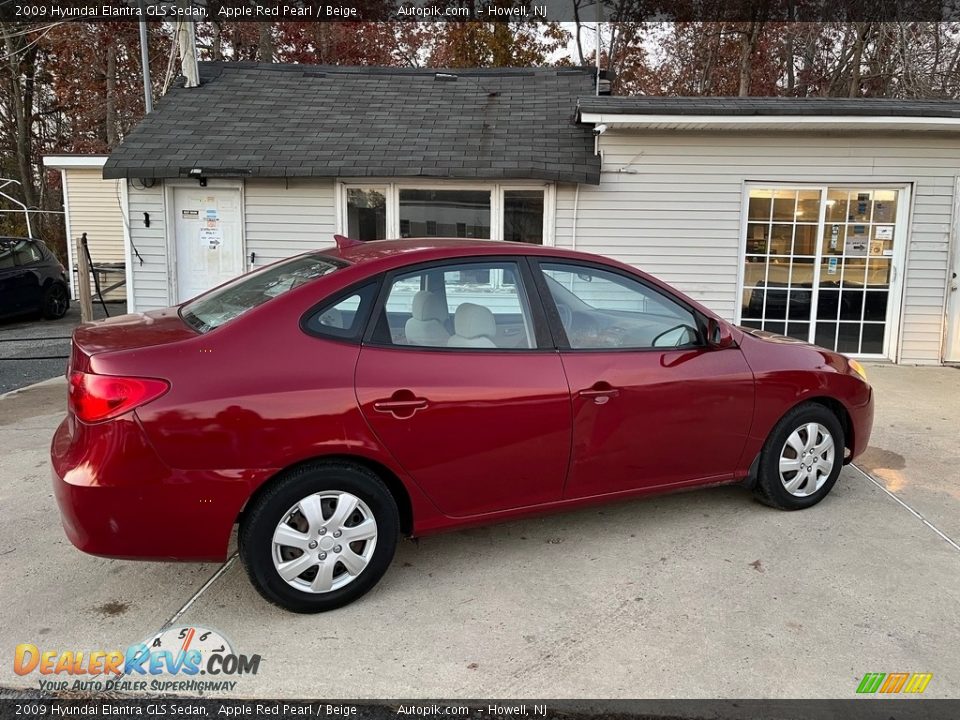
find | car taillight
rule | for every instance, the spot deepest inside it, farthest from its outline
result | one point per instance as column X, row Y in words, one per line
column 93, row 398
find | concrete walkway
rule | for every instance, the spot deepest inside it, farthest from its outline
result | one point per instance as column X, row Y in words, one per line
column 701, row 594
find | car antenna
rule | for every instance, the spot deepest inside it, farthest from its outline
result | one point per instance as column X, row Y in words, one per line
column 345, row 242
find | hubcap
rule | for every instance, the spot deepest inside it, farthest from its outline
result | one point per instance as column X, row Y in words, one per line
column 305, row 553
column 807, row 459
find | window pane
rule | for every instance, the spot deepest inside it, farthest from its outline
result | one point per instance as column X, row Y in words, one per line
column 872, row 338
column 848, row 339
column 875, row 307
column 523, row 216
column 470, row 306
column 836, row 205
column 860, row 206
column 884, row 208
column 784, row 205
column 826, row 335
column 758, row 238
column 781, row 239
column 752, row 304
column 345, row 318
column 445, row 213
column 366, row 214
column 27, row 253
column 603, row 310
column 805, row 240
column 248, row 291
column 808, row 206
column 759, row 208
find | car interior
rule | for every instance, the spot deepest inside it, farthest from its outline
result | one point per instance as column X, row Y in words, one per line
column 480, row 306
column 657, row 325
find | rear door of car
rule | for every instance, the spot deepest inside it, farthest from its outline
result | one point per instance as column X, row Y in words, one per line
column 10, row 282
column 458, row 379
column 29, row 259
column 652, row 404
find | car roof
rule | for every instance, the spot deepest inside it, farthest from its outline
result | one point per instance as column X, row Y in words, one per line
column 10, row 239
column 408, row 251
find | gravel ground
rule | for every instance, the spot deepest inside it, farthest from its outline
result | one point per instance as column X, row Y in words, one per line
column 32, row 349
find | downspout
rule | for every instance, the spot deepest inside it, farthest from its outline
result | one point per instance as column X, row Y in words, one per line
column 576, row 205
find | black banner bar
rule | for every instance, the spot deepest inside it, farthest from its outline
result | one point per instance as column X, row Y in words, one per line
column 20, row 705
column 532, row 11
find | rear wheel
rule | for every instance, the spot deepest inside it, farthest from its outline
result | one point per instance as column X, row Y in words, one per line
column 802, row 458
column 56, row 301
column 320, row 537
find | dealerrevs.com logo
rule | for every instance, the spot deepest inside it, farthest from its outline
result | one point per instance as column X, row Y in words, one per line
column 178, row 659
column 891, row 683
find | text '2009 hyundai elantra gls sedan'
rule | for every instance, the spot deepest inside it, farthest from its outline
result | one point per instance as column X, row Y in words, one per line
column 333, row 401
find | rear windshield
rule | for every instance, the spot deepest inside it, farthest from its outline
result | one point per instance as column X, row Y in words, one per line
column 246, row 292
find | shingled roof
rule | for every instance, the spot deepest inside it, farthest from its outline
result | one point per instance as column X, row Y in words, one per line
column 285, row 120
column 770, row 106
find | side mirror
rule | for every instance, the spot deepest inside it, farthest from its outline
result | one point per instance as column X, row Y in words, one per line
column 718, row 334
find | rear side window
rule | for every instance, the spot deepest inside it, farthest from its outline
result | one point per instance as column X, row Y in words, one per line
column 27, row 253
column 219, row 306
column 345, row 317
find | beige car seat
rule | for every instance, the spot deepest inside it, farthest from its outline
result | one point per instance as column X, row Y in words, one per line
column 473, row 326
column 427, row 324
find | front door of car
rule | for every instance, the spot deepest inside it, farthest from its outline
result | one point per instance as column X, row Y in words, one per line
column 652, row 405
column 457, row 380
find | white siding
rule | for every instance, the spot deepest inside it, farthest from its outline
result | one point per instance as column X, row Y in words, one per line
column 670, row 203
column 285, row 218
column 151, row 283
column 95, row 210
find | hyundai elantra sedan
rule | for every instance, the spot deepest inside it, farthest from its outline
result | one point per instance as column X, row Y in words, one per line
column 329, row 403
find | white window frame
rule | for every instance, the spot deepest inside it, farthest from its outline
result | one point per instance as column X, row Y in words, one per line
column 892, row 340
column 392, row 188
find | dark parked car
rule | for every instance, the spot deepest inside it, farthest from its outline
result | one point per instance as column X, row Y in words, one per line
column 333, row 400
column 31, row 279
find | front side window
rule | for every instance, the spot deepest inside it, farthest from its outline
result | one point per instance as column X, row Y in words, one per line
column 246, row 292
column 475, row 305
column 604, row 310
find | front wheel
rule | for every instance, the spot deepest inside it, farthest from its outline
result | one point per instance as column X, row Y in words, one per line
column 320, row 538
column 802, row 458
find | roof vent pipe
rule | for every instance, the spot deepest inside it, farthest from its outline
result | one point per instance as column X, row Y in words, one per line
column 186, row 37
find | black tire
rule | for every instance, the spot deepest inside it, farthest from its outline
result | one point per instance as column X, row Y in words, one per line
column 56, row 301
column 255, row 539
column 770, row 488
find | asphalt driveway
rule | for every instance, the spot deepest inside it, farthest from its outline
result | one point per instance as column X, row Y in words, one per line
column 32, row 349
column 700, row 594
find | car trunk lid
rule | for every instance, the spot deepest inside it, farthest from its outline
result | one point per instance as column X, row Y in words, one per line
column 124, row 333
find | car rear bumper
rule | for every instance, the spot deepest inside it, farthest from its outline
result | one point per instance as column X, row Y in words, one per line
column 118, row 499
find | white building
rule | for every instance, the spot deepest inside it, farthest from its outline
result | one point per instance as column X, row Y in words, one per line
column 829, row 220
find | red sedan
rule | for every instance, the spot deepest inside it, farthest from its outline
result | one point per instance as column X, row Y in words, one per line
column 330, row 402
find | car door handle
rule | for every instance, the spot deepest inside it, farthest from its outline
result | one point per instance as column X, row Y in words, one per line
column 401, row 405
column 601, row 392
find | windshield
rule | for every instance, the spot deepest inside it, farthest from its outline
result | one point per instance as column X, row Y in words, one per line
column 248, row 291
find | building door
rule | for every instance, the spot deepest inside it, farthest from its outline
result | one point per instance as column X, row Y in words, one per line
column 952, row 350
column 209, row 245
column 822, row 264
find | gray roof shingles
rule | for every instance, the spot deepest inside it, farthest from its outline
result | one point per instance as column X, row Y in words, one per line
column 258, row 120
column 874, row 107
